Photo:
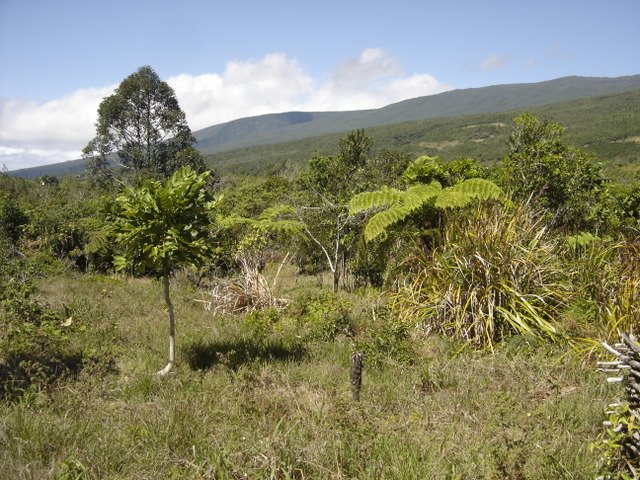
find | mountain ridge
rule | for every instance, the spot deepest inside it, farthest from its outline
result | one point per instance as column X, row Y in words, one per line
column 284, row 127
column 455, row 102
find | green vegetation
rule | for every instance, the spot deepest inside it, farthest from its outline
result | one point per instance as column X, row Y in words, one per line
column 605, row 126
column 603, row 120
column 164, row 227
column 477, row 294
column 261, row 402
column 144, row 128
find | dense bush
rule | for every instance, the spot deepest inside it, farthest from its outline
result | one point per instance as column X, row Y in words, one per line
column 317, row 317
column 32, row 336
column 606, row 277
column 496, row 274
column 551, row 174
column 12, row 218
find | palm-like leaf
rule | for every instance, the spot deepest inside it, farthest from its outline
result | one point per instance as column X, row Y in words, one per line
column 401, row 204
column 167, row 222
column 379, row 198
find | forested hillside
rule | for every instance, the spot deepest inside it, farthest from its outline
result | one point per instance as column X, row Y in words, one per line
column 278, row 128
column 608, row 126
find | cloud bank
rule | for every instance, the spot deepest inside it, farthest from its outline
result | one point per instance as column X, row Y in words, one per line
column 36, row 134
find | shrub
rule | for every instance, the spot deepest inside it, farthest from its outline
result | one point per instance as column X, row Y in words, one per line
column 325, row 316
column 320, row 317
column 12, row 219
column 496, row 274
column 385, row 338
column 558, row 177
column 36, row 342
column 606, row 273
column 259, row 324
column 32, row 341
column 617, row 460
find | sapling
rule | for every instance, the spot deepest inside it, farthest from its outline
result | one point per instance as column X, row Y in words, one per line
column 164, row 226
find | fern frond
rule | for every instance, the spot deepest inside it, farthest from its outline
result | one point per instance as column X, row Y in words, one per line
column 479, row 188
column 405, row 203
column 461, row 194
column 379, row 223
column 452, row 199
column 418, row 195
column 287, row 227
column 99, row 241
column 378, row 198
column 233, row 221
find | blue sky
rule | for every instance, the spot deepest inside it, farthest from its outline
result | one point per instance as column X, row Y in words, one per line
column 230, row 59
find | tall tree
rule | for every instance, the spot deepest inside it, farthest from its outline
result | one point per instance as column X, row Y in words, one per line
column 142, row 127
column 165, row 226
column 354, row 150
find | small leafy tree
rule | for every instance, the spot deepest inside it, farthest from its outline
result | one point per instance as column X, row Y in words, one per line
column 325, row 188
column 556, row 176
column 164, row 226
column 12, row 218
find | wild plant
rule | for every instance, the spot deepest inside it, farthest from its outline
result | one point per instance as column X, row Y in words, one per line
column 607, row 273
column 495, row 274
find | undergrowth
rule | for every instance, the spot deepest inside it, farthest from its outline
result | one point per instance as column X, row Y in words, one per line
column 255, row 397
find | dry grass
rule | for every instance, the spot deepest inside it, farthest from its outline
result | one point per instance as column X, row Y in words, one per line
column 249, row 411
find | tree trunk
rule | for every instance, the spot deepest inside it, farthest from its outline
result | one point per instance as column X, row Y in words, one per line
column 355, row 374
column 172, row 321
column 343, row 268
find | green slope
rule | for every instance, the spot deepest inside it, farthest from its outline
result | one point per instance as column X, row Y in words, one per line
column 608, row 126
column 277, row 128
column 257, row 135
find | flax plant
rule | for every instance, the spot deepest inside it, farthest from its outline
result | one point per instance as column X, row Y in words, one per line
column 495, row 274
column 607, row 273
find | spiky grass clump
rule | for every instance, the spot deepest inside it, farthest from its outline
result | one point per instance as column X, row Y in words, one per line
column 607, row 273
column 495, row 274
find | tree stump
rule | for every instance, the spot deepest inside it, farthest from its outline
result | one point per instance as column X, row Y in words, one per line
column 356, row 375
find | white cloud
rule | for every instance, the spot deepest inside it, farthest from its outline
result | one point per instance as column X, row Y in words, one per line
column 373, row 80
column 36, row 134
column 55, row 131
column 24, row 157
column 67, row 120
column 254, row 87
column 493, row 62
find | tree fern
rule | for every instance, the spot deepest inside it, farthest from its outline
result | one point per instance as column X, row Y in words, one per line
column 379, row 222
column 478, row 188
column 407, row 202
column 99, row 241
column 417, row 196
column 277, row 219
column 463, row 193
column 276, row 212
column 401, row 205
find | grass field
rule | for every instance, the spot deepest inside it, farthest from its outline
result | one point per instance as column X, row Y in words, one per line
column 239, row 407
